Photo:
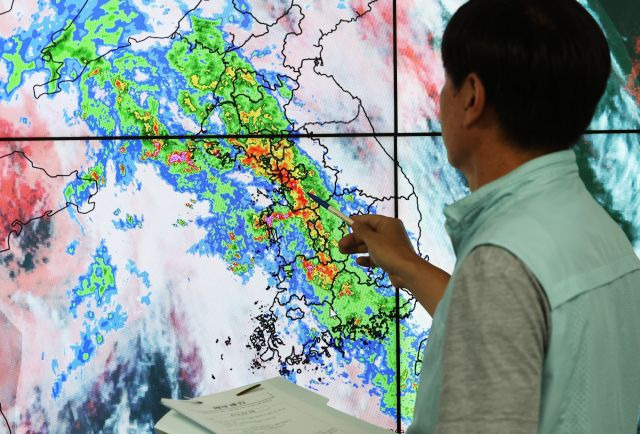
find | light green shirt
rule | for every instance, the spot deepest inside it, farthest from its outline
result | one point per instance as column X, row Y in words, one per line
column 542, row 213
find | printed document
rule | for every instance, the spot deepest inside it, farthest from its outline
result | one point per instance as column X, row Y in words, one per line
column 269, row 409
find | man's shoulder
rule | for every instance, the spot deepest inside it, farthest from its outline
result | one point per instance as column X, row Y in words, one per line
column 555, row 217
column 567, row 241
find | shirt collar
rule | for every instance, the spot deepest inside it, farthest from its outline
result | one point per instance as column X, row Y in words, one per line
column 463, row 213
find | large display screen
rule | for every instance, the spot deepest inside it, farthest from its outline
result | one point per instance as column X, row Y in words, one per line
column 156, row 239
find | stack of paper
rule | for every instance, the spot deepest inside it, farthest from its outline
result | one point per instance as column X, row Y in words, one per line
column 275, row 407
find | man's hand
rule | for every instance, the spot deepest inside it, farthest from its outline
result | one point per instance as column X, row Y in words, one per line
column 385, row 240
column 389, row 247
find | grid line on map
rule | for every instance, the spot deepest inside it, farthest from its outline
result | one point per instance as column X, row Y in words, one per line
column 395, row 209
column 262, row 136
column 395, row 135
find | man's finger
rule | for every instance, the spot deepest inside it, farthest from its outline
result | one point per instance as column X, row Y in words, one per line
column 354, row 248
column 362, row 248
column 365, row 261
column 354, row 242
column 362, row 231
column 348, row 243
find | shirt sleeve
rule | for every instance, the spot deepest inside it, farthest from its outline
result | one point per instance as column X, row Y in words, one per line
column 496, row 336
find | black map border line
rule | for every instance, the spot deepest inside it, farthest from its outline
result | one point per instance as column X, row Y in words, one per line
column 57, row 78
column 2, row 13
column 48, row 213
column 1, row 412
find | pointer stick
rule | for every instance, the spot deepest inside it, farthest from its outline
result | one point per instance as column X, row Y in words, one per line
column 331, row 209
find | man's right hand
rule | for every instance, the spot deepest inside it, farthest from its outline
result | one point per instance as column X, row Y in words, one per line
column 385, row 240
column 387, row 243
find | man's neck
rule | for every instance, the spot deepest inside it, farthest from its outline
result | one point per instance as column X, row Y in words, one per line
column 488, row 163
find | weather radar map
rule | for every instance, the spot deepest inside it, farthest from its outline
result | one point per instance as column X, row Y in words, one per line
column 156, row 237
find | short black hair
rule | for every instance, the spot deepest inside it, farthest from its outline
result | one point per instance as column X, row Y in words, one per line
column 544, row 65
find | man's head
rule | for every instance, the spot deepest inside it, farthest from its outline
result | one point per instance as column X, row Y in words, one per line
column 535, row 69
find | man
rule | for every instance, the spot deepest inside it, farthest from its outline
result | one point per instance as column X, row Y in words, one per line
column 538, row 328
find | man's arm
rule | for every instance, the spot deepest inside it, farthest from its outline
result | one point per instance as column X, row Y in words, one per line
column 496, row 336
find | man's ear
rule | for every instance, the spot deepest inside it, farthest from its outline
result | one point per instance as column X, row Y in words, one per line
column 474, row 99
